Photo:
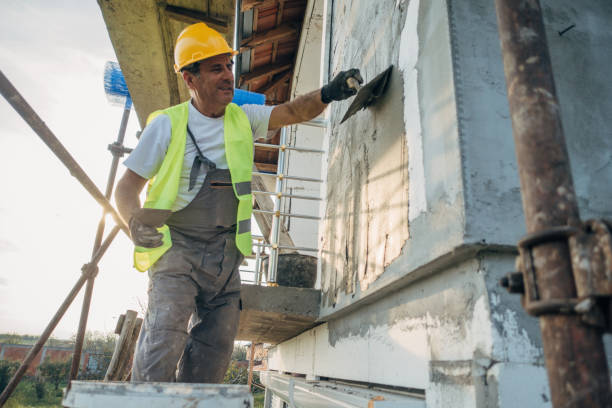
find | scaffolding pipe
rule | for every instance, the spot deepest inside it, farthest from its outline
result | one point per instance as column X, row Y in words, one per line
column 274, row 232
column 299, row 197
column 287, row 247
column 283, row 214
column 258, row 250
column 88, row 270
column 285, row 147
column 280, row 175
column 28, row 114
column 110, row 183
column 575, row 358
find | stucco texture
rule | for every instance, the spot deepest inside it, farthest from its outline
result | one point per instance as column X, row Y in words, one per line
column 366, row 219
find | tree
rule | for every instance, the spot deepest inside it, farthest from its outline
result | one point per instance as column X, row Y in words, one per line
column 7, row 370
column 55, row 372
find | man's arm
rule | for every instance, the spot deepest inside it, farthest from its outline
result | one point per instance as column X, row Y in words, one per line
column 301, row 109
column 309, row 106
column 127, row 194
column 128, row 202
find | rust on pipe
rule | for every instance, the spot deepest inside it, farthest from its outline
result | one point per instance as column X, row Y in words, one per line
column 57, row 317
column 575, row 358
column 28, row 114
column 250, row 376
column 80, row 337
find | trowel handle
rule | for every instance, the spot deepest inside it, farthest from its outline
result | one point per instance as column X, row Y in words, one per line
column 353, row 83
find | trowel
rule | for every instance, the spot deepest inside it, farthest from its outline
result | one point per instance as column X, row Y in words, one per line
column 369, row 93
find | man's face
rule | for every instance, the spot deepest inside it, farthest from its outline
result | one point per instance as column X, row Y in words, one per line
column 216, row 81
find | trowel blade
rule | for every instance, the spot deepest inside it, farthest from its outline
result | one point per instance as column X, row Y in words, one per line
column 369, row 93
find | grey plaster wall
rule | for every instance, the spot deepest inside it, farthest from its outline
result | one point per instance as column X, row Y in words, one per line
column 454, row 334
column 470, row 193
column 580, row 58
column 368, row 242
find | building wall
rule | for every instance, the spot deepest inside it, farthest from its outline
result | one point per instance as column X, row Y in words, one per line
column 18, row 353
column 423, row 204
column 304, row 232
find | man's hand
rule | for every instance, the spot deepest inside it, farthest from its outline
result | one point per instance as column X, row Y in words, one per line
column 338, row 89
column 144, row 235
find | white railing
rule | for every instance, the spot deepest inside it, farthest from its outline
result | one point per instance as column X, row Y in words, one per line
column 279, row 194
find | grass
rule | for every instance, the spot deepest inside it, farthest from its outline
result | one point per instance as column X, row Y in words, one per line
column 26, row 396
column 259, row 400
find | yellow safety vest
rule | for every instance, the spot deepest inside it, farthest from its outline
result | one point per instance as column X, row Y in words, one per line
column 163, row 187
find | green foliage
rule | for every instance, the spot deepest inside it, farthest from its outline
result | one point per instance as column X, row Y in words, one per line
column 98, row 342
column 28, row 392
column 235, row 374
column 258, row 399
column 7, row 369
column 240, row 352
column 39, row 388
column 55, row 372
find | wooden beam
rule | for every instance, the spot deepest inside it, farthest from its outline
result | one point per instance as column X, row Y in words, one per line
column 281, row 9
column 266, row 167
column 264, row 71
column 195, row 16
column 281, row 32
column 249, row 4
column 272, row 86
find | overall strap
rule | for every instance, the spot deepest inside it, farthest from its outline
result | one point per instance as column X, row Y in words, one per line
column 197, row 162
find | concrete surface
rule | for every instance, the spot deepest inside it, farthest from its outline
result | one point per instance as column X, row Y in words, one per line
column 415, row 301
column 302, row 393
column 275, row 314
column 90, row 394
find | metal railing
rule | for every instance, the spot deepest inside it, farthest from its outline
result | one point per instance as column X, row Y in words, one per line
column 279, row 194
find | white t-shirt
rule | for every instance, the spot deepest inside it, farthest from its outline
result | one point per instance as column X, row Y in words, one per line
column 146, row 159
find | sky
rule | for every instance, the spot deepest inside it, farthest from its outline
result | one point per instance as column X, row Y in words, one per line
column 54, row 53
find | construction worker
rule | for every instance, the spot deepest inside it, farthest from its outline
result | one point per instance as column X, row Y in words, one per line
column 197, row 157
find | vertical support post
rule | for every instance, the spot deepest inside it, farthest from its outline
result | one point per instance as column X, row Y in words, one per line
column 575, row 358
column 251, row 357
column 258, row 250
column 274, row 238
column 110, row 183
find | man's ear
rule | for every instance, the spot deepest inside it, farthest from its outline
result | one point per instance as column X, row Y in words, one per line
column 188, row 77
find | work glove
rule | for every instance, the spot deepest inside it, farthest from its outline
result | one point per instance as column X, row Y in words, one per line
column 338, row 89
column 144, row 235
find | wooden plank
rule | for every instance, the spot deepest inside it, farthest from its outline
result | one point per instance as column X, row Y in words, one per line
column 272, row 86
column 281, row 9
column 268, row 167
column 121, row 347
column 264, row 71
column 195, row 16
column 281, row 32
column 249, row 4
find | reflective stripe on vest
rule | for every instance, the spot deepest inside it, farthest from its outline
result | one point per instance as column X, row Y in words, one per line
column 163, row 188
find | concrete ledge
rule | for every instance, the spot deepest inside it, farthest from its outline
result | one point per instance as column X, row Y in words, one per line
column 275, row 314
column 95, row 394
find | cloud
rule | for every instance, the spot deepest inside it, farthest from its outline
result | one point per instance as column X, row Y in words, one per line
column 7, row 246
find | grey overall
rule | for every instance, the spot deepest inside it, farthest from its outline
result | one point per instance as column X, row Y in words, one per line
column 194, row 291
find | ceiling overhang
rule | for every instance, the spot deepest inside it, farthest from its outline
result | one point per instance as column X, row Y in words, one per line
column 143, row 33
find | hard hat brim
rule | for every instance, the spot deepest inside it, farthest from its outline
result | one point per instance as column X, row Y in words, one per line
column 177, row 68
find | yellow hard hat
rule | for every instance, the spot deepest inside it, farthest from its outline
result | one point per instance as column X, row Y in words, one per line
column 197, row 42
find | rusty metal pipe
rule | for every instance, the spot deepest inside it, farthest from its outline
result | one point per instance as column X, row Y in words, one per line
column 110, row 183
column 28, row 114
column 575, row 357
column 56, row 318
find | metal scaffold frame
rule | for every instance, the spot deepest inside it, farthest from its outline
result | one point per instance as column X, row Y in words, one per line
column 90, row 269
